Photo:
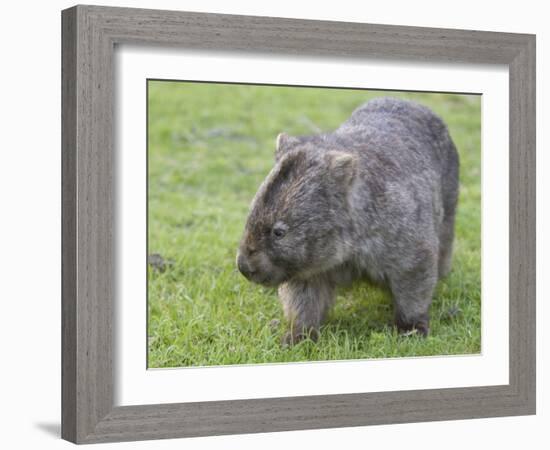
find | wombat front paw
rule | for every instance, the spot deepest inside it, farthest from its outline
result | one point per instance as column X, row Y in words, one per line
column 420, row 328
column 291, row 338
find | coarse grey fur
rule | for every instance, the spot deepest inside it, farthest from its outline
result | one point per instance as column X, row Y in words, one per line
column 374, row 199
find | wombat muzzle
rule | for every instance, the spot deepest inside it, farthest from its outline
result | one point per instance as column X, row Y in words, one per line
column 244, row 267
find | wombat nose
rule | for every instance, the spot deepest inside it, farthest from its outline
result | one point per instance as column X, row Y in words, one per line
column 244, row 267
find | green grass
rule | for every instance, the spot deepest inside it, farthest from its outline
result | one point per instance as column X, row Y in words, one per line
column 210, row 146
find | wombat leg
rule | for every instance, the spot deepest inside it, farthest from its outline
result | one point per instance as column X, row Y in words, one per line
column 305, row 304
column 412, row 295
column 446, row 237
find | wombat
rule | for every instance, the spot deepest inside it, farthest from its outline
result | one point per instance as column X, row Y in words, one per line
column 374, row 199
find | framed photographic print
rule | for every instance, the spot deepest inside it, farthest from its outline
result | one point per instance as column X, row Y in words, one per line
column 278, row 224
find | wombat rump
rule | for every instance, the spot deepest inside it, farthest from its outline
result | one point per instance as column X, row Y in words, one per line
column 374, row 199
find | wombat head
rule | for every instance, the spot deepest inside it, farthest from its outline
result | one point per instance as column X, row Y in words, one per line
column 299, row 218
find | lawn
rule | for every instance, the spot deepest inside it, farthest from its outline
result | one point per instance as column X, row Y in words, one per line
column 209, row 148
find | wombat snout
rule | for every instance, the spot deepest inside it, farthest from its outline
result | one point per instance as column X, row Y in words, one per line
column 257, row 267
column 244, row 266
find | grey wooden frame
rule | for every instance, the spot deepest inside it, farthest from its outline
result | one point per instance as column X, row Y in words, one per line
column 89, row 34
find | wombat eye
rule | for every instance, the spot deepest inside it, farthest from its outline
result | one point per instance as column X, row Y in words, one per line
column 279, row 230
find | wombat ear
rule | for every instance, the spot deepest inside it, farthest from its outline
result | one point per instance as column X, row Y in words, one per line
column 284, row 144
column 341, row 166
